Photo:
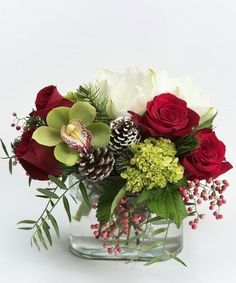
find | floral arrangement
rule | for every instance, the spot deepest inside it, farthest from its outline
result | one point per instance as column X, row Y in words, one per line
column 152, row 134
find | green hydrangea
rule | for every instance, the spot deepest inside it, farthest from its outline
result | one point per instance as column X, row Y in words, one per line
column 153, row 166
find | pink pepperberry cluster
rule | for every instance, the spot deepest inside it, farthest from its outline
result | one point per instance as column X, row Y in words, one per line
column 209, row 190
column 18, row 123
column 121, row 225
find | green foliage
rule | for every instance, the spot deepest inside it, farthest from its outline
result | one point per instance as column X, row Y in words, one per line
column 58, row 182
column 67, row 207
column 34, row 122
column 186, row 144
column 168, row 204
column 84, row 194
column 123, row 160
column 54, row 223
column 41, row 226
column 106, row 199
column 4, row 148
column 117, row 199
column 89, row 93
column 48, row 193
column 207, row 124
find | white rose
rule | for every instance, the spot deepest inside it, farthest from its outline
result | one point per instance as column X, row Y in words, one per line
column 186, row 89
column 133, row 89
column 128, row 91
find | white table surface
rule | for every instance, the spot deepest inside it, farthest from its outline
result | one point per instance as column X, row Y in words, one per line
column 62, row 43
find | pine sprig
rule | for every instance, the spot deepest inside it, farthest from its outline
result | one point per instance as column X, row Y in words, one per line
column 91, row 94
column 186, row 144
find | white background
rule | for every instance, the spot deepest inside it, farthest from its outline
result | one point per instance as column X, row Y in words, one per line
column 62, row 43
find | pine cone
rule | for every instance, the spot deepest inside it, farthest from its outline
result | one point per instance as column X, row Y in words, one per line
column 123, row 133
column 97, row 165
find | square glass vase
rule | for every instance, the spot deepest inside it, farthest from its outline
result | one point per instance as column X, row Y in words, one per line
column 160, row 238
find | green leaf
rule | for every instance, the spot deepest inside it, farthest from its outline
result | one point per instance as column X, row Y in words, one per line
column 47, row 136
column 67, row 207
column 144, row 196
column 36, row 243
column 10, row 165
column 42, row 196
column 123, row 160
column 116, row 200
column 48, row 193
column 182, row 182
column 58, row 117
column 175, row 258
column 154, row 260
column 101, row 134
column 54, row 223
column 153, row 245
column 158, row 231
column 25, row 228
column 29, row 181
column 41, row 238
column 47, row 232
column 4, row 147
column 26, row 222
column 169, row 204
column 107, row 197
column 58, row 182
column 83, row 111
column 84, row 194
column 206, row 124
column 65, row 155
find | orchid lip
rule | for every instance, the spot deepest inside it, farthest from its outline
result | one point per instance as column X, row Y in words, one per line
column 76, row 136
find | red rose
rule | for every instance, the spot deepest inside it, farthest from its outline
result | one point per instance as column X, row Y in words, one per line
column 168, row 116
column 47, row 99
column 37, row 160
column 208, row 160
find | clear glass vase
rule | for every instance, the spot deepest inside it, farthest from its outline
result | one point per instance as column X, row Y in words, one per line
column 161, row 237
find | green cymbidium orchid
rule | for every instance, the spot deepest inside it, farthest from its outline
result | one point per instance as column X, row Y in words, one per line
column 72, row 130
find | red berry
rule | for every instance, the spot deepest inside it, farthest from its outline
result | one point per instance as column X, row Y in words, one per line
column 110, row 250
column 190, row 209
column 194, row 226
column 199, row 201
column 126, row 214
column 14, row 114
column 18, row 127
column 13, row 125
column 225, row 182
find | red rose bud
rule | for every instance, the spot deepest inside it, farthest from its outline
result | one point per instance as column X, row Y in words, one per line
column 208, row 160
column 168, row 116
column 37, row 160
column 47, row 99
